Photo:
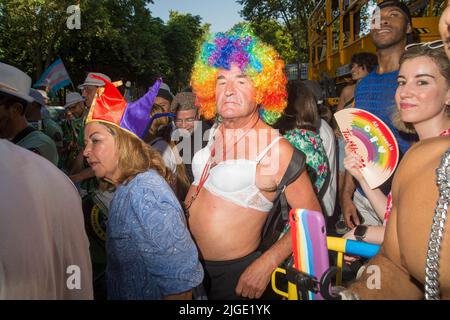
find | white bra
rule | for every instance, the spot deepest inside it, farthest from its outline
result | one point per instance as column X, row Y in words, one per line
column 233, row 180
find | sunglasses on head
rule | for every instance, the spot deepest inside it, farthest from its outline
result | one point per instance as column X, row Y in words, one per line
column 430, row 45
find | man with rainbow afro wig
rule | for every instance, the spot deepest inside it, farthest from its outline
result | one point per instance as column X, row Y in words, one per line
column 260, row 62
column 240, row 81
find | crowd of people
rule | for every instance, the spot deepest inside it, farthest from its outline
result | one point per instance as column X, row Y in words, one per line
column 190, row 183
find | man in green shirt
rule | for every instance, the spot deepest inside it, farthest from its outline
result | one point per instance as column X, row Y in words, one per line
column 72, row 128
column 45, row 124
column 14, row 98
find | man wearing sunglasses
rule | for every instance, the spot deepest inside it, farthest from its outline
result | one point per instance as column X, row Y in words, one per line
column 191, row 134
column 187, row 116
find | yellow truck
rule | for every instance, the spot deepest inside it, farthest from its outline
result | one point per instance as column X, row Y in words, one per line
column 337, row 29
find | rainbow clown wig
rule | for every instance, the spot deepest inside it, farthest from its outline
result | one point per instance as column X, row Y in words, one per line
column 260, row 62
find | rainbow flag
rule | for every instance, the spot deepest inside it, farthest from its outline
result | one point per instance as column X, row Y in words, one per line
column 54, row 78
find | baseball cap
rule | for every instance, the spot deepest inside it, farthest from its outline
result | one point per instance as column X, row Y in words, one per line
column 37, row 96
column 72, row 98
column 398, row 4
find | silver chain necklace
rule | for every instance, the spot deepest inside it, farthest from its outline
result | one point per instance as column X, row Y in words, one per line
column 432, row 291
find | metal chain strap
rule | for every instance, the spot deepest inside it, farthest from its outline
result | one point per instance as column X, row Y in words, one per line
column 432, row 291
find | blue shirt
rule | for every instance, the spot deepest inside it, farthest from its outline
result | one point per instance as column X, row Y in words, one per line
column 150, row 252
column 376, row 93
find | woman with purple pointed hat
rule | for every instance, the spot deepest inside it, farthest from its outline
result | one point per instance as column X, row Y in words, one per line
column 150, row 252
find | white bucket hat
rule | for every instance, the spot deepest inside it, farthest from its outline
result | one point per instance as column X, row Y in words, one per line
column 15, row 82
column 43, row 93
column 37, row 96
column 165, row 86
column 90, row 81
column 72, row 98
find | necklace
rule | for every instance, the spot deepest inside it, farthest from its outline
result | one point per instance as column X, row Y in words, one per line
column 445, row 133
column 432, row 290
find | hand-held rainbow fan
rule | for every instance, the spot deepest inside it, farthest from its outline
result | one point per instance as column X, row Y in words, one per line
column 372, row 140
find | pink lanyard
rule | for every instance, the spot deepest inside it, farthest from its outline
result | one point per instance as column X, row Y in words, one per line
column 203, row 178
column 445, row 133
column 207, row 167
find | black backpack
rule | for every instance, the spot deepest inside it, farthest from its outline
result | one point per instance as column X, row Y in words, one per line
column 279, row 214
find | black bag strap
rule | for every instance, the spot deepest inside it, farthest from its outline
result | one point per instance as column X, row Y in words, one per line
column 22, row 134
column 270, row 233
column 154, row 141
column 293, row 171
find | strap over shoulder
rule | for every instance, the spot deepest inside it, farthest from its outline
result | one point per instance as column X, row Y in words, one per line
column 280, row 211
column 293, row 171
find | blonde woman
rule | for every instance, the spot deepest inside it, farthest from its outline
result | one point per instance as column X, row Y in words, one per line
column 150, row 252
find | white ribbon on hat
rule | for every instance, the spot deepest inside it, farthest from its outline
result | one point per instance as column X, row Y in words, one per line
column 2, row 85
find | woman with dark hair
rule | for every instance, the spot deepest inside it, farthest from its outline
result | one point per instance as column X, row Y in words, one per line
column 299, row 126
column 361, row 65
column 150, row 252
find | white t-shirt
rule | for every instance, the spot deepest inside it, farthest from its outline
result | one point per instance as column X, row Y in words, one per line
column 169, row 157
column 329, row 142
column 44, row 250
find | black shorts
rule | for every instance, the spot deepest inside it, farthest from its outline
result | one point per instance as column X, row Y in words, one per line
column 221, row 277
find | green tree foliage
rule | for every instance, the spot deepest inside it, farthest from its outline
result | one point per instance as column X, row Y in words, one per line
column 291, row 16
column 182, row 39
column 117, row 37
column 273, row 32
column 30, row 31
